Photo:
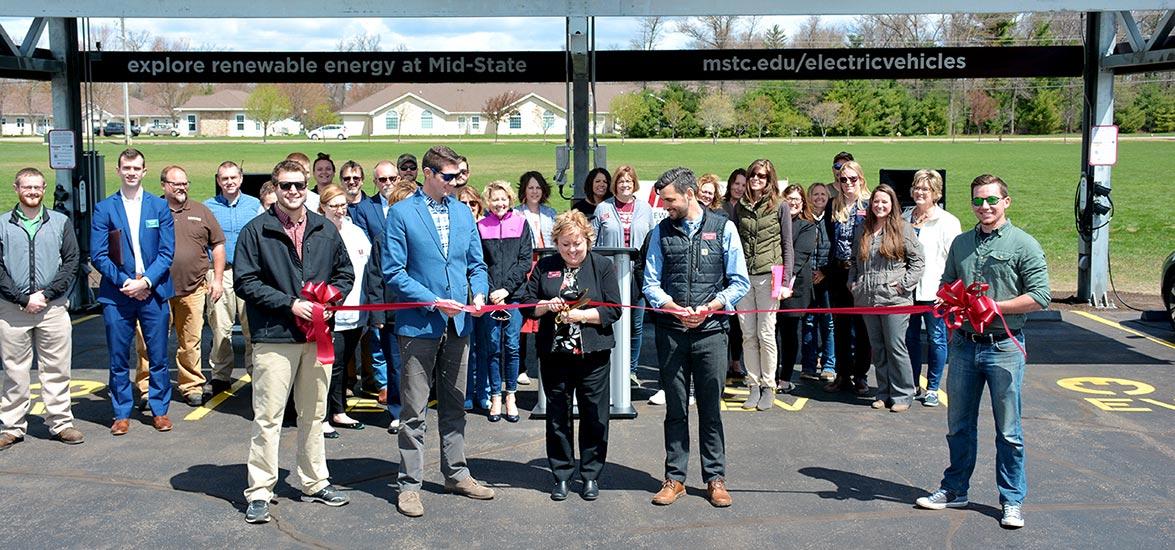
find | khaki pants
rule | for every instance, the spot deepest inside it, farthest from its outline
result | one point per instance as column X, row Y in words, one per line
column 221, row 316
column 51, row 334
column 759, row 352
column 278, row 368
column 187, row 316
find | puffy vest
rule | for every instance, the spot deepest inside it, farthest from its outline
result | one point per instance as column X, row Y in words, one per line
column 758, row 228
column 694, row 268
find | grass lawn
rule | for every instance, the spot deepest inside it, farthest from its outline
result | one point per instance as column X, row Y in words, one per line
column 1042, row 175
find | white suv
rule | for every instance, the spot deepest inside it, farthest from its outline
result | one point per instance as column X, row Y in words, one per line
column 332, row 131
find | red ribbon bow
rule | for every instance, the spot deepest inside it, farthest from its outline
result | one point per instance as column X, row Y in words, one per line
column 969, row 303
column 319, row 294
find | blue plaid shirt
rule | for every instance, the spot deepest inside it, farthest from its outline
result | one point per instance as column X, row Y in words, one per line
column 440, row 218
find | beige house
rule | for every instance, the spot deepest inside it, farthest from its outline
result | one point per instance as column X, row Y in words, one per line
column 223, row 114
column 457, row 109
column 17, row 119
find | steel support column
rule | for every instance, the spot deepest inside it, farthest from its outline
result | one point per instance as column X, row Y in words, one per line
column 578, row 42
column 1093, row 241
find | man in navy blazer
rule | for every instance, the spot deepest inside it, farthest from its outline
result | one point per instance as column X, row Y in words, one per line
column 385, row 352
column 434, row 256
column 132, row 241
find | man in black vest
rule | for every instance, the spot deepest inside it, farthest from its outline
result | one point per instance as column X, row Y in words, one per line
column 694, row 266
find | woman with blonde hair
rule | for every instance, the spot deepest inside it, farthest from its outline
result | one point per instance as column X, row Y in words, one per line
column 844, row 221
column 764, row 225
column 709, row 194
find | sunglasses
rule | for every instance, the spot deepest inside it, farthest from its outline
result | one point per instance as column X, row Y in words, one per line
column 386, row 179
column 447, row 176
column 408, row 167
column 837, row 165
column 849, row 179
column 351, row 178
column 992, row 200
column 287, row 185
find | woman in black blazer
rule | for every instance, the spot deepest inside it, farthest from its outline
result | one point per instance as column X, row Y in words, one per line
column 574, row 347
column 788, row 325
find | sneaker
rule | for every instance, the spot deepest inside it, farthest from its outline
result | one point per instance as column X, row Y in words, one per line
column 633, row 378
column 194, row 399
column 1013, row 517
column 658, row 398
column 919, row 393
column 940, row 499
column 257, row 512
column 523, row 379
column 328, row 496
column 394, row 427
column 931, row 399
column 828, row 376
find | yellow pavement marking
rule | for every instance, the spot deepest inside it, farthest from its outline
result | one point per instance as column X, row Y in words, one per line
column 77, row 388
column 219, row 398
column 733, row 405
column 1118, row 326
column 364, row 405
column 83, row 319
column 1081, row 383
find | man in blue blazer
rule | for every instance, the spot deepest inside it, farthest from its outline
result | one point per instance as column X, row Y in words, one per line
column 132, row 241
column 385, row 352
column 434, row 256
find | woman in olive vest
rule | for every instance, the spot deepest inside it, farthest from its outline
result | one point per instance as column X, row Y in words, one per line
column 764, row 226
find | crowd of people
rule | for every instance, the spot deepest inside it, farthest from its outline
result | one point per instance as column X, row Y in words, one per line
column 751, row 245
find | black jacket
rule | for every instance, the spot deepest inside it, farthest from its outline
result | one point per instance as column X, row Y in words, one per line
column 507, row 249
column 268, row 275
column 804, row 244
column 597, row 277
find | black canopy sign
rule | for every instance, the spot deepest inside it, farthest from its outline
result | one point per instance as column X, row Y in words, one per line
column 612, row 66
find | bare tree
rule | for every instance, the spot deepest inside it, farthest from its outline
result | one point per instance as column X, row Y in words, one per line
column 169, row 95
column 651, row 29
column 711, row 32
column 716, row 113
column 674, row 115
column 904, row 30
column 340, row 92
column 304, row 97
column 813, row 33
column 498, row 108
column 825, row 114
column 34, row 90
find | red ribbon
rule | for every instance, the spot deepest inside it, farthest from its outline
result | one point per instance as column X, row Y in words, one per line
column 970, row 303
column 889, row 310
column 321, row 295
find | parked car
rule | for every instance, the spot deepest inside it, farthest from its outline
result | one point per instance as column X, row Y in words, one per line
column 331, row 131
column 1168, row 288
column 114, row 128
column 162, row 129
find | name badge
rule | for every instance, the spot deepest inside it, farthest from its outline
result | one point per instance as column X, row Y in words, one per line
column 554, row 274
column 192, row 219
column 153, row 223
column 709, row 236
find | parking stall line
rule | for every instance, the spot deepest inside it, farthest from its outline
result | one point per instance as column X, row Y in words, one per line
column 1119, row 326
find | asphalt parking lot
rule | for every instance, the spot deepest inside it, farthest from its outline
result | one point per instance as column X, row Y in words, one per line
column 817, row 471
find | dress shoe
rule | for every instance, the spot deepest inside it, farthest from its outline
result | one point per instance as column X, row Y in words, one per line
column 523, row 379
column 382, row 398
column 120, row 427
column 671, row 489
column 394, row 427
column 327, row 495
column 408, row 503
column 194, row 399
column 753, row 395
column 348, row 425
column 839, row 383
column 511, row 409
column 716, row 493
column 257, row 512
column 878, row 404
column 69, row 436
column 861, row 387
column 161, row 423
column 469, row 487
column 900, row 407
column 559, row 491
column 330, row 435
column 219, row 386
column 8, row 440
column 591, row 490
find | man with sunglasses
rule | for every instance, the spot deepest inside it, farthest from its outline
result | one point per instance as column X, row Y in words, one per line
column 1013, row 264
column 385, row 352
column 434, row 256
column 277, row 252
column 196, row 233
column 407, row 166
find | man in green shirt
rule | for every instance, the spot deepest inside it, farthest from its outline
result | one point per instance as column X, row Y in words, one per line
column 1012, row 263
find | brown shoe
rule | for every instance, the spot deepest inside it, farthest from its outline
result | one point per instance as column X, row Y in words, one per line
column 900, row 407
column 8, row 440
column 716, row 493
column 469, row 487
column 838, row 384
column 670, row 491
column 162, row 423
column 69, row 436
column 382, row 398
column 120, row 427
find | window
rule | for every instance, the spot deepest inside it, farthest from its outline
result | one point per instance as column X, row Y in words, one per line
column 20, row 122
column 476, row 122
column 240, row 123
column 192, row 123
column 257, row 126
column 392, row 121
column 461, row 122
column 548, row 120
column 426, row 120
column 515, row 121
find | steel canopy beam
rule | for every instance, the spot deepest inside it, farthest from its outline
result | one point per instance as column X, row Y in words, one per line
column 541, row 8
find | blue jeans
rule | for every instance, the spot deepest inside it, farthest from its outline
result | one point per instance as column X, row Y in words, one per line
column 936, row 360
column 638, row 332
column 818, row 342
column 1001, row 367
column 384, row 345
column 495, row 341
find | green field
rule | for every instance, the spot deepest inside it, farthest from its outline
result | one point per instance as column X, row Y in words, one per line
column 1042, row 175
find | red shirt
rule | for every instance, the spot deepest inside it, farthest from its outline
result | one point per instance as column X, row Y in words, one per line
column 295, row 230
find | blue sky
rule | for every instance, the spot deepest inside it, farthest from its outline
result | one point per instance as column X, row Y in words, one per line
column 438, row 34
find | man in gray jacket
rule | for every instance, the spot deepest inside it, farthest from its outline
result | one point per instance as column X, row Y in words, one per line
column 39, row 264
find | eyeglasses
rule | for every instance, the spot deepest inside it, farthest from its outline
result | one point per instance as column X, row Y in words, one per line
column 849, row 179
column 177, row 183
column 407, row 166
column 386, row 179
column 287, row 185
column 795, row 200
column 351, row 178
column 337, row 206
column 992, row 200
